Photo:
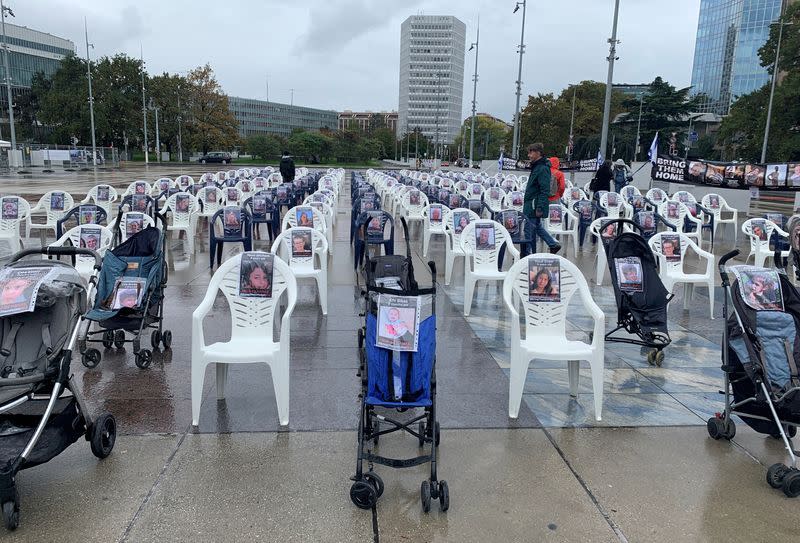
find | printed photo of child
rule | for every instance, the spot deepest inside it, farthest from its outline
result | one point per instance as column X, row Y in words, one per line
column 57, row 201
column 629, row 274
column 256, row 275
column 544, row 280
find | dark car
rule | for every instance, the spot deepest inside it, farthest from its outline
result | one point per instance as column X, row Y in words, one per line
column 216, row 156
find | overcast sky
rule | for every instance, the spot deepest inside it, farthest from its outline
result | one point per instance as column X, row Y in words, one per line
column 344, row 54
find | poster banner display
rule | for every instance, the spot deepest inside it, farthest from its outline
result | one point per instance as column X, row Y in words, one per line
column 780, row 176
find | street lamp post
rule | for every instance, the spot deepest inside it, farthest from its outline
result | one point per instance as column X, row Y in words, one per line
column 91, row 96
column 144, row 109
column 638, row 129
column 3, row 10
column 436, row 118
column 781, row 24
column 158, row 140
column 612, row 56
column 514, row 151
column 180, row 123
column 474, row 93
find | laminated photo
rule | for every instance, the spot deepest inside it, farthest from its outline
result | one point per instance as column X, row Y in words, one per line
column 517, row 198
column 139, row 202
column 232, row 221
column 398, row 322
column 210, row 182
column 211, row 194
column 259, row 182
column 413, row 197
column 509, row 220
column 477, row 189
column 103, row 193
column 317, row 197
column 444, row 195
column 754, row 175
column 759, row 228
column 301, row 243
column 233, row 194
column 484, row 236
column 671, row 247
column 460, row 221
column 775, row 176
column 128, row 292
column 87, row 214
column 475, row 205
column 637, row 202
column 182, row 203
column 140, row 188
column 608, row 231
column 245, row 186
column 612, row 199
column 793, row 174
column 673, row 210
column 555, row 214
column 57, row 201
column 89, row 237
column 647, row 220
column 134, row 223
column 10, row 209
column 256, row 274
column 760, row 288
column 163, row 185
column 777, row 218
column 19, row 287
column 281, row 192
column 629, row 274
column 683, row 196
column 713, row 201
column 304, row 216
column 230, row 182
column 259, row 205
column 657, row 197
column 544, row 280
column 183, row 181
column 435, row 213
column 584, row 208
column 375, row 225
column 575, row 194
column 367, row 205
column 455, row 201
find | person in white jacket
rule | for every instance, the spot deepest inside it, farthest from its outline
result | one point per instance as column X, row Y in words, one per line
column 622, row 174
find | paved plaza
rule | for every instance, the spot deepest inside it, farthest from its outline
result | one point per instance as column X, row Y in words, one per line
column 648, row 472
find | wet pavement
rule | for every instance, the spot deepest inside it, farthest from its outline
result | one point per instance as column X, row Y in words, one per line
column 647, row 472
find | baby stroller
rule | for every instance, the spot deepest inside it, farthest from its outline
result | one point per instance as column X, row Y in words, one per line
column 760, row 358
column 641, row 296
column 41, row 410
column 130, row 298
column 402, row 379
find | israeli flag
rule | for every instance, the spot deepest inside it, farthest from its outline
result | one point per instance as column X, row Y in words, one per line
column 500, row 162
column 653, row 152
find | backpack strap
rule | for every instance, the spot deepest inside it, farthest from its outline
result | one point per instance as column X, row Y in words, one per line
column 9, row 339
column 47, row 340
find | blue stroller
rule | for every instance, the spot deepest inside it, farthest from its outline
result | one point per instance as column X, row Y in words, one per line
column 137, row 265
column 403, row 380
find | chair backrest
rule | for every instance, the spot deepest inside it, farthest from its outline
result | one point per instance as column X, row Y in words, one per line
column 493, row 198
column 674, row 212
column 759, row 232
column 629, row 191
column 208, row 178
column 211, row 198
column 670, row 248
column 715, row 203
column 87, row 236
column 414, row 201
column 221, row 176
column 435, row 215
column 140, row 186
column 182, row 206
column 573, row 195
column 456, row 220
column 611, row 202
column 162, row 185
column 55, row 204
column 684, row 197
column 304, row 216
column 547, row 315
column 232, row 196
column 13, row 210
column 103, row 196
column 183, row 182
column 254, row 317
column 298, row 246
column 514, row 200
column 481, row 242
column 245, row 186
column 657, row 196
column 133, row 222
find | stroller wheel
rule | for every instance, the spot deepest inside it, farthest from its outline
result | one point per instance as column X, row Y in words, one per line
column 166, row 339
column 444, row 496
column 108, row 339
column 775, row 475
column 104, row 435
column 716, row 428
column 11, row 514
column 119, row 339
column 659, row 358
column 143, row 358
column 375, row 480
column 363, row 495
column 91, row 358
column 791, row 483
column 155, row 339
column 651, row 358
column 425, row 496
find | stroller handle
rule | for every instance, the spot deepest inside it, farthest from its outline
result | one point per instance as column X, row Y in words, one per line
column 721, row 265
column 60, row 251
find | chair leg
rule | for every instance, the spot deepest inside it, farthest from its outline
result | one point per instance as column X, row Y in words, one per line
column 322, row 287
column 516, row 384
column 280, row 382
column 469, row 291
column 597, row 366
column 198, row 376
column 688, row 289
column 574, row 371
column 601, row 263
column 711, row 297
column 448, row 266
column 222, row 380
column 426, row 238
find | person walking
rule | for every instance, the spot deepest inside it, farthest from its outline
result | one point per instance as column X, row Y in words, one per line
column 558, row 176
column 287, row 167
column 537, row 196
column 622, row 174
column 602, row 179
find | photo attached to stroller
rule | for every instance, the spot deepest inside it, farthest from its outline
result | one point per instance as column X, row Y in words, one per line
column 640, row 295
column 130, row 298
column 42, row 303
column 760, row 360
column 397, row 352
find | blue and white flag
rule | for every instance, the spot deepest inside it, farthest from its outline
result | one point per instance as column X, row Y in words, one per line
column 500, row 162
column 653, row 152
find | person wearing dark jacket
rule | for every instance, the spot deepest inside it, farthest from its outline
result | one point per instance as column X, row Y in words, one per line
column 536, row 203
column 602, row 180
column 287, row 167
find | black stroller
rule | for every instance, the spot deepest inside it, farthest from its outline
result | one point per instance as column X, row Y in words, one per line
column 760, row 358
column 41, row 410
column 396, row 376
column 130, row 297
column 641, row 296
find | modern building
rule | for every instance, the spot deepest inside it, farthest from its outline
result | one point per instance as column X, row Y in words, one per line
column 368, row 119
column 636, row 90
column 31, row 51
column 262, row 117
column 726, row 61
column 431, row 76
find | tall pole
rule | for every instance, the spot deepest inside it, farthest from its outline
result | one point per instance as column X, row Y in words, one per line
column 180, row 122
column 474, row 95
column 436, row 118
column 612, row 56
column 416, row 145
column 3, row 9
column 144, row 108
column 91, row 96
column 291, row 111
column 638, row 129
column 158, row 141
column 514, row 151
column 771, row 90
column 408, row 144
column 571, row 123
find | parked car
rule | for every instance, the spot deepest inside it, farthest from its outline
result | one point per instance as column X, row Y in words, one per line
column 445, row 164
column 216, row 156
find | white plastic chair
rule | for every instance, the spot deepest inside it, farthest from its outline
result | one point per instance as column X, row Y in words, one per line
column 162, row 184
column 545, row 331
column 452, row 245
column 10, row 227
column 52, row 215
column 252, row 341
column 683, row 215
column 414, row 213
column 432, row 228
column 481, row 264
column 514, row 200
column 211, row 198
column 568, row 227
column 759, row 248
column 611, row 202
column 493, row 199
column 718, row 209
column 184, row 182
column 302, row 266
column 182, row 221
column 231, row 196
column 147, row 221
column 85, row 264
column 657, row 196
column 93, row 197
column 132, row 188
column 671, row 271
column 317, row 218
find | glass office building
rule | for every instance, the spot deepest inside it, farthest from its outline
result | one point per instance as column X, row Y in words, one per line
column 31, row 51
column 262, row 117
column 726, row 61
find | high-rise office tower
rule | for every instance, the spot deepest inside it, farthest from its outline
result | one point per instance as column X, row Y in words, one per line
column 726, row 61
column 431, row 76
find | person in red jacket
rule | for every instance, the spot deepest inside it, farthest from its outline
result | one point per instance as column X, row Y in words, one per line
column 558, row 175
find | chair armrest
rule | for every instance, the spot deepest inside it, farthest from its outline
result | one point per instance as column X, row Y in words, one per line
column 599, row 320
column 780, row 231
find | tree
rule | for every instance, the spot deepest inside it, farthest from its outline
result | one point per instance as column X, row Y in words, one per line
column 490, row 136
column 265, row 147
column 165, row 93
column 309, row 145
column 117, row 91
column 64, row 101
column 210, row 123
column 385, row 137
